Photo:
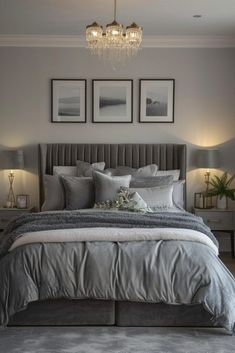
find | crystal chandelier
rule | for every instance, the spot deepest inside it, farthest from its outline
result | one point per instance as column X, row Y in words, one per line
column 114, row 45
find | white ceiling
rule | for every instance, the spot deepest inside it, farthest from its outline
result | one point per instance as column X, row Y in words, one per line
column 158, row 17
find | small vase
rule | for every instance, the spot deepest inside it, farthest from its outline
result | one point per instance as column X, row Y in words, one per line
column 222, row 202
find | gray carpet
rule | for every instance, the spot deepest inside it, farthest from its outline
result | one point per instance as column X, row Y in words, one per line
column 115, row 339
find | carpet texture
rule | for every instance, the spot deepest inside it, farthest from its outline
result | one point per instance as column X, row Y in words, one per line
column 115, row 339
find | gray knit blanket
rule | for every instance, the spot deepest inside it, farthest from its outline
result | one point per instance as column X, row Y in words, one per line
column 87, row 219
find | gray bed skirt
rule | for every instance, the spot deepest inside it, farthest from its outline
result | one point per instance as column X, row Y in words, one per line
column 108, row 313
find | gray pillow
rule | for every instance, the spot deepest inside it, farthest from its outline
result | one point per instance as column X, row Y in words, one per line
column 149, row 182
column 159, row 197
column 54, row 193
column 146, row 171
column 174, row 172
column 79, row 192
column 85, row 169
column 65, row 170
column 107, row 187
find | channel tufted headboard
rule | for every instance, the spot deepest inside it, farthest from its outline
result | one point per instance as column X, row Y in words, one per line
column 166, row 156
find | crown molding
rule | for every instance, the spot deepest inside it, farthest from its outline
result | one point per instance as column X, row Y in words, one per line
column 42, row 41
column 54, row 41
column 188, row 42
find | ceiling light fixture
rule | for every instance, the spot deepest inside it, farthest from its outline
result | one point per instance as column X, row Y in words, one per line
column 114, row 45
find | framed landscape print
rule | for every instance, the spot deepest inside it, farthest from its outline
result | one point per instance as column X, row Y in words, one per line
column 112, row 101
column 68, row 101
column 156, row 101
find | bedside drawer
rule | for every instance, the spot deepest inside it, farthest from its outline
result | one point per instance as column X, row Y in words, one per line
column 217, row 220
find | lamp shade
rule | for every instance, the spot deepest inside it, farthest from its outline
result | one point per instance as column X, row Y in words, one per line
column 12, row 159
column 208, row 158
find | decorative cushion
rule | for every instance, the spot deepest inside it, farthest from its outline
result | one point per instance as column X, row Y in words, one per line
column 174, row 172
column 146, row 171
column 125, row 201
column 54, row 193
column 159, row 197
column 79, row 192
column 65, row 170
column 85, row 169
column 137, row 203
column 107, row 187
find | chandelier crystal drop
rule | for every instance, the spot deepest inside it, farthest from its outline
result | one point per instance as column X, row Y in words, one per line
column 114, row 45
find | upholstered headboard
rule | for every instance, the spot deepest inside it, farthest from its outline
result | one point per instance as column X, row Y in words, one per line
column 166, row 156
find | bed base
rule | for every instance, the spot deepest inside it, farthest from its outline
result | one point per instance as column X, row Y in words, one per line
column 109, row 313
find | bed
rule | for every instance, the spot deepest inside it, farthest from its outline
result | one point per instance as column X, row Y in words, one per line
column 122, row 309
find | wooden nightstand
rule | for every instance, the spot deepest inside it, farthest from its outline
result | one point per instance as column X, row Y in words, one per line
column 219, row 221
column 7, row 214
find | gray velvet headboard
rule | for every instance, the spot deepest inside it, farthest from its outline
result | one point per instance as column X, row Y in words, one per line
column 166, row 156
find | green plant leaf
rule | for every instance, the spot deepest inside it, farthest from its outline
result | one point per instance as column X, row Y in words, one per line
column 221, row 186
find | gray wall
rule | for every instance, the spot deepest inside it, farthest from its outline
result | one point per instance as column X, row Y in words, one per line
column 204, row 104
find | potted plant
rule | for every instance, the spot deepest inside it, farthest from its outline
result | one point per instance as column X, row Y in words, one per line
column 222, row 189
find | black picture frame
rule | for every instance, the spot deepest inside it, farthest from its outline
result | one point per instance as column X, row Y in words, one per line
column 97, row 118
column 168, row 106
column 71, row 117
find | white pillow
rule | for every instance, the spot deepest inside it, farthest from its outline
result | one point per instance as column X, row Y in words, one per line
column 159, row 197
column 65, row 170
column 178, row 194
column 174, row 172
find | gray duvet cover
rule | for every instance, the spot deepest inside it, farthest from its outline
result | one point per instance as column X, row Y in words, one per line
column 173, row 272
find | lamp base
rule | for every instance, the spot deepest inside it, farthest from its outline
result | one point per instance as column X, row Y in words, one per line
column 11, row 197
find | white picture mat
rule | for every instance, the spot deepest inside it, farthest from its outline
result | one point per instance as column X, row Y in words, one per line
column 70, row 85
column 97, row 87
column 147, row 85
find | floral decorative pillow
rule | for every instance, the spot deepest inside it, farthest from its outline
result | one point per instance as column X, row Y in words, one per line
column 125, row 201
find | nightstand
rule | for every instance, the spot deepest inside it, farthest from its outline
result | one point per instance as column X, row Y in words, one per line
column 7, row 214
column 219, row 221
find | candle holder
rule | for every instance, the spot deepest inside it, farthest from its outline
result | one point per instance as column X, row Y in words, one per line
column 202, row 200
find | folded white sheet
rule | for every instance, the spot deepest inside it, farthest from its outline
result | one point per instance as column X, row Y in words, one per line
column 113, row 234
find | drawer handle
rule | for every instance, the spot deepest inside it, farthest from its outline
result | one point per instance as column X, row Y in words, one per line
column 214, row 220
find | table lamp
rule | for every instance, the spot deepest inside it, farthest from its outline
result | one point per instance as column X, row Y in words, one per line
column 208, row 159
column 11, row 159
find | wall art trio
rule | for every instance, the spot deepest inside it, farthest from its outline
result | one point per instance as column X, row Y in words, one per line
column 112, row 100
